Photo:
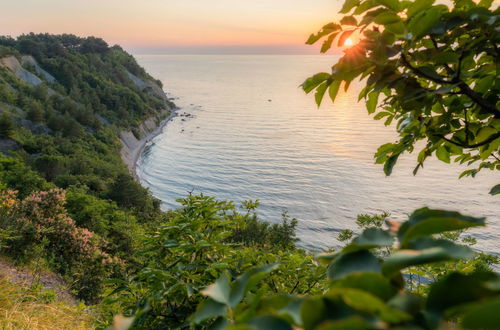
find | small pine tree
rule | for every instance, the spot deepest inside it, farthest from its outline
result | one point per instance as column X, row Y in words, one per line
column 6, row 125
column 35, row 112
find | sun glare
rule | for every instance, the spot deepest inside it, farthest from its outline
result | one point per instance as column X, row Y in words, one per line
column 348, row 42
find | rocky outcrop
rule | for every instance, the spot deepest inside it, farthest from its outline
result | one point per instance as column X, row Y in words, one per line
column 12, row 109
column 19, row 120
column 133, row 145
column 147, row 86
column 8, row 145
column 28, row 59
column 13, row 65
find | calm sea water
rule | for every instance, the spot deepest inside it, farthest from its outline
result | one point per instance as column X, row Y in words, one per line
column 253, row 134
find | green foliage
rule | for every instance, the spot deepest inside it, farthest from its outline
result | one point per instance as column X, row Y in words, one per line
column 16, row 175
column 368, row 290
column 251, row 231
column 68, row 135
column 430, row 68
column 197, row 245
column 35, row 112
column 42, row 229
column 121, row 229
column 6, row 125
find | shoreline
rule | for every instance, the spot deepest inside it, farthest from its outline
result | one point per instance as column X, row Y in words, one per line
column 133, row 154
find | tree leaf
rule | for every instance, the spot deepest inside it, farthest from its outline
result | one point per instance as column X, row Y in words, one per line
column 270, row 323
column 320, row 92
column 446, row 57
column 386, row 17
column 406, row 302
column 364, row 6
column 327, row 44
column 245, row 281
column 220, row 290
column 348, row 5
column 425, row 21
column 483, row 315
column 425, row 221
column 312, row 82
column 365, row 302
column 347, row 323
column 349, row 20
column 443, row 154
column 334, row 89
column 458, row 289
column 495, row 190
column 391, row 4
column 326, row 30
column 397, row 28
column 209, row 309
column 369, row 239
column 353, row 262
column 418, row 6
column 484, row 133
column 423, row 251
column 389, row 164
column 371, row 103
column 374, row 283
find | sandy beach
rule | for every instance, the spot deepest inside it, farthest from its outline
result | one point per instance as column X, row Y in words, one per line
column 132, row 148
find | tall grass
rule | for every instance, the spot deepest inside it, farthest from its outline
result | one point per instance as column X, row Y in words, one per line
column 22, row 308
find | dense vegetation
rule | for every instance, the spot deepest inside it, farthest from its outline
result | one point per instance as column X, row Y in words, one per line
column 60, row 129
column 209, row 264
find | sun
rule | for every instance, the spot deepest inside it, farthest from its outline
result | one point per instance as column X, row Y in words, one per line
column 348, row 42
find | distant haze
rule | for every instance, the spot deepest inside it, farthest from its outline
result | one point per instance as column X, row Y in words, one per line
column 177, row 26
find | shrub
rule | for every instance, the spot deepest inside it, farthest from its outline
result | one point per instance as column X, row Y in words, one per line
column 6, row 125
column 368, row 290
column 41, row 219
column 192, row 249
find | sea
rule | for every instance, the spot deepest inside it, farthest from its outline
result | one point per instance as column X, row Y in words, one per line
column 245, row 131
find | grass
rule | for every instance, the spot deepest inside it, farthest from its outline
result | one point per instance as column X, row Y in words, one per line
column 25, row 308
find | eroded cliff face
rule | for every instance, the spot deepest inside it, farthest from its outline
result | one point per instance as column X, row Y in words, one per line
column 148, row 86
column 132, row 140
column 13, row 64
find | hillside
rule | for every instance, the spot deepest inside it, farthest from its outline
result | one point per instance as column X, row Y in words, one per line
column 69, row 107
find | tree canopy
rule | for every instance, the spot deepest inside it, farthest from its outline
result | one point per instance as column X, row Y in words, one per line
column 428, row 67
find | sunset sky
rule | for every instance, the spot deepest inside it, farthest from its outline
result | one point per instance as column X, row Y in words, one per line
column 177, row 26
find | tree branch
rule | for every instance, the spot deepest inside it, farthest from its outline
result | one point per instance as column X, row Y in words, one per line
column 421, row 73
column 464, row 88
column 467, row 145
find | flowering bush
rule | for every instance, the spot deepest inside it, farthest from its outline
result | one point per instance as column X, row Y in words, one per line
column 41, row 219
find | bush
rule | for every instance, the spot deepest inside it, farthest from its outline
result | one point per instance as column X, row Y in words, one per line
column 192, row 249
column 368, row 286
column 40, row 220
column 6, row 125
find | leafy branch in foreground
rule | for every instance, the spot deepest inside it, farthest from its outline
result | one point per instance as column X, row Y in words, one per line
column 367, row 291
column 429, row 67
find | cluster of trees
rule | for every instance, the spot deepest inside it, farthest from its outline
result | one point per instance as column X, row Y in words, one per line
column 430, row 68
column 67, row 136
column 89, row 73
column 77, row 118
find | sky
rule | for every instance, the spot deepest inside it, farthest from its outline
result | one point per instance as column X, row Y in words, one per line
column 177, row 26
